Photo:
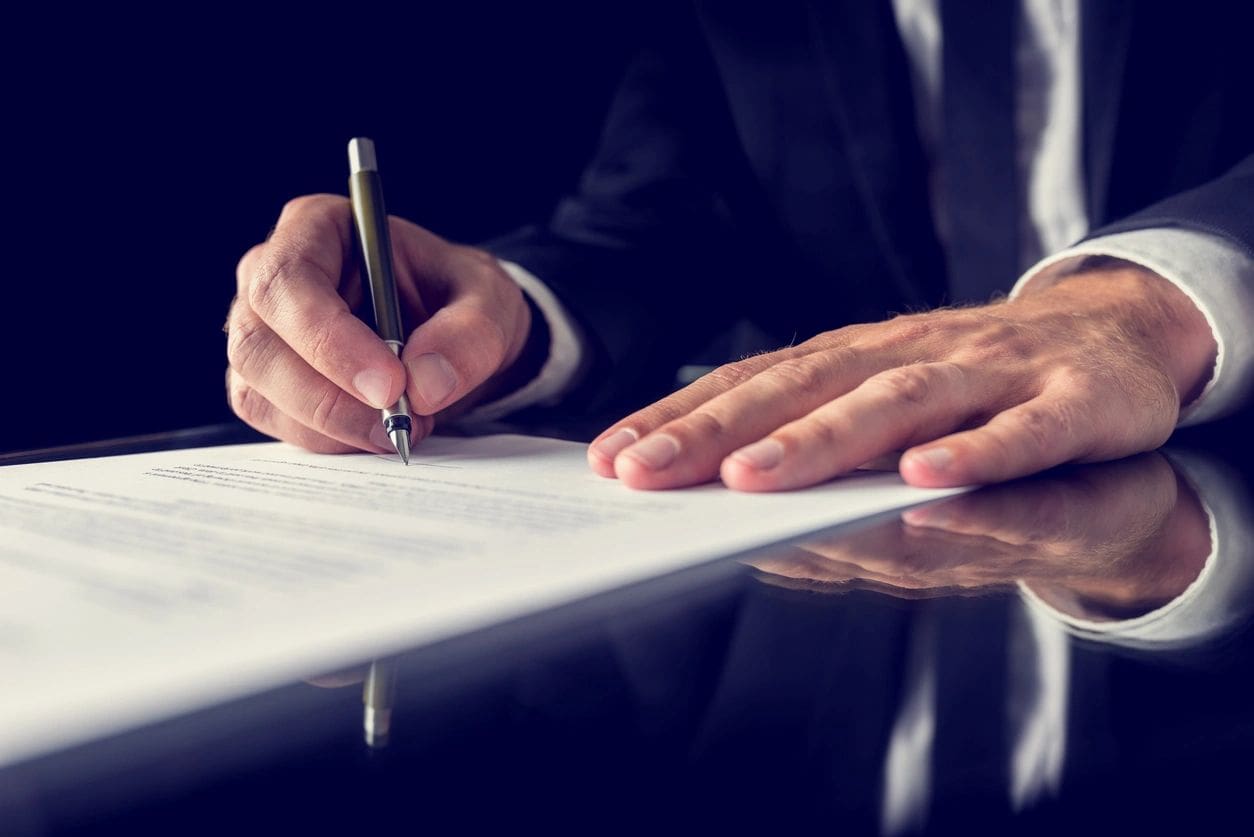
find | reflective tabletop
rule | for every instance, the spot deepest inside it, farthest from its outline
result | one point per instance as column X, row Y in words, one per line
column 1070, row 651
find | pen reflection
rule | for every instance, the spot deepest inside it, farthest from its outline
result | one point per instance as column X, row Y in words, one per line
column 1103, row 543
column 378, row 696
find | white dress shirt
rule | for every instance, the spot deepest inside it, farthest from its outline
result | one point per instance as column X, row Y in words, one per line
column 1215, row 274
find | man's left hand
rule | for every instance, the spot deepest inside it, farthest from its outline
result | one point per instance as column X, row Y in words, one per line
column 1093, row 367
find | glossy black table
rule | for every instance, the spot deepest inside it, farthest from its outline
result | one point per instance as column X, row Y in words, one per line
column 1069, row 653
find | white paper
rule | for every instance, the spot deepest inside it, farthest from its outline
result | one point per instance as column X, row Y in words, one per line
column 134, row 588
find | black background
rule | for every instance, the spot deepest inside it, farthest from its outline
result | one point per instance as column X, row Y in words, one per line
column 146, row 152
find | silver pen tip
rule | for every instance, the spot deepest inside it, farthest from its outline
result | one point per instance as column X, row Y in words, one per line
column 400, row 441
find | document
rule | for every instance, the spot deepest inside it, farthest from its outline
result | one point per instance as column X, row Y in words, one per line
column 135, row 588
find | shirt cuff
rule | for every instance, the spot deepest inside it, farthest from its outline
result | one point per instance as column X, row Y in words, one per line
column 1215, row 274
column 567, row 349
column 1218, row 600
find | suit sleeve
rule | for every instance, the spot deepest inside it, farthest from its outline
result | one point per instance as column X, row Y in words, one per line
column 1223, row 207
column 641, row 255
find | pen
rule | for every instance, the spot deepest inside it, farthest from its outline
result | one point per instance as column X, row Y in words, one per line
column 377, row 694
column 370, row 219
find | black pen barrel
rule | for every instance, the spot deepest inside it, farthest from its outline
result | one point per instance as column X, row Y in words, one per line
column 370, row 221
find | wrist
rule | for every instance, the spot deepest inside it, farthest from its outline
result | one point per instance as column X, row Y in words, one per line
column 1150, row 311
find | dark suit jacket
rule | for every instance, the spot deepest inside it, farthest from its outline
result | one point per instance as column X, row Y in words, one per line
column 764, row 163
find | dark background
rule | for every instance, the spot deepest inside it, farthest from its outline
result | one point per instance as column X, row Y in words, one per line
column 145, row 154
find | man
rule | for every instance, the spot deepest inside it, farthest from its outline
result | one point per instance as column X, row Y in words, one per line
column 815, row 165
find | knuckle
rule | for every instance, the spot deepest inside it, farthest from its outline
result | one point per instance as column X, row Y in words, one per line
column 246, row 264
column 805, row 374
column 822, row 432
column 930, row 334
column 265, row 284
column 301, row 204
column 490, row 345
column 320, row 342
column 248, row 404
column 992, row 442
column 1078, row 384
column 326, row 406
column 727, row 376
column 912, row 385
column 1046, row 429
column 996, row 340
column 294, row 205
column 246, row 345
column 914, row 328
column 276, row 272
column 703, row 425
column 478, row 273
column 480, row 263
column 834, row 339
column 656, row 415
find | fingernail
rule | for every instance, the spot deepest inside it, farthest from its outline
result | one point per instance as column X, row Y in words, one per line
column 433, row 377
column 611, row 445
column 938, row 459
column 762, row 455
column 379, row 437
column 374, row 386
column 655, row 452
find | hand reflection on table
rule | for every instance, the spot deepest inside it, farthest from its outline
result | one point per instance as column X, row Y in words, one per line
column 1102, row 543
column 1147, row 553
column 962, row 700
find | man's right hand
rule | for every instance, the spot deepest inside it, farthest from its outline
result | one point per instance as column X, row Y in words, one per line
column 305, row 369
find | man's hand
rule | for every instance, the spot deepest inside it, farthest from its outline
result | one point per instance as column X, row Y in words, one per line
column 1093, row 367
column 305, row 369
column 1100, row 542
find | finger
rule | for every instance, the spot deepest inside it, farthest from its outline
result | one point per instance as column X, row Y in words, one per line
column 295, row 388
column 606, row 447
column 243, row 268
column 911, row 561
column 885, row 412
column 340, row 679
column 689, row 449
column 1020, row 515
column 897, row 560
column 473, row 336
column 260, row 414
column 1089, row 503
column 294, row 288
column 802, row 564
column 246, row 267
column 1048, row 430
